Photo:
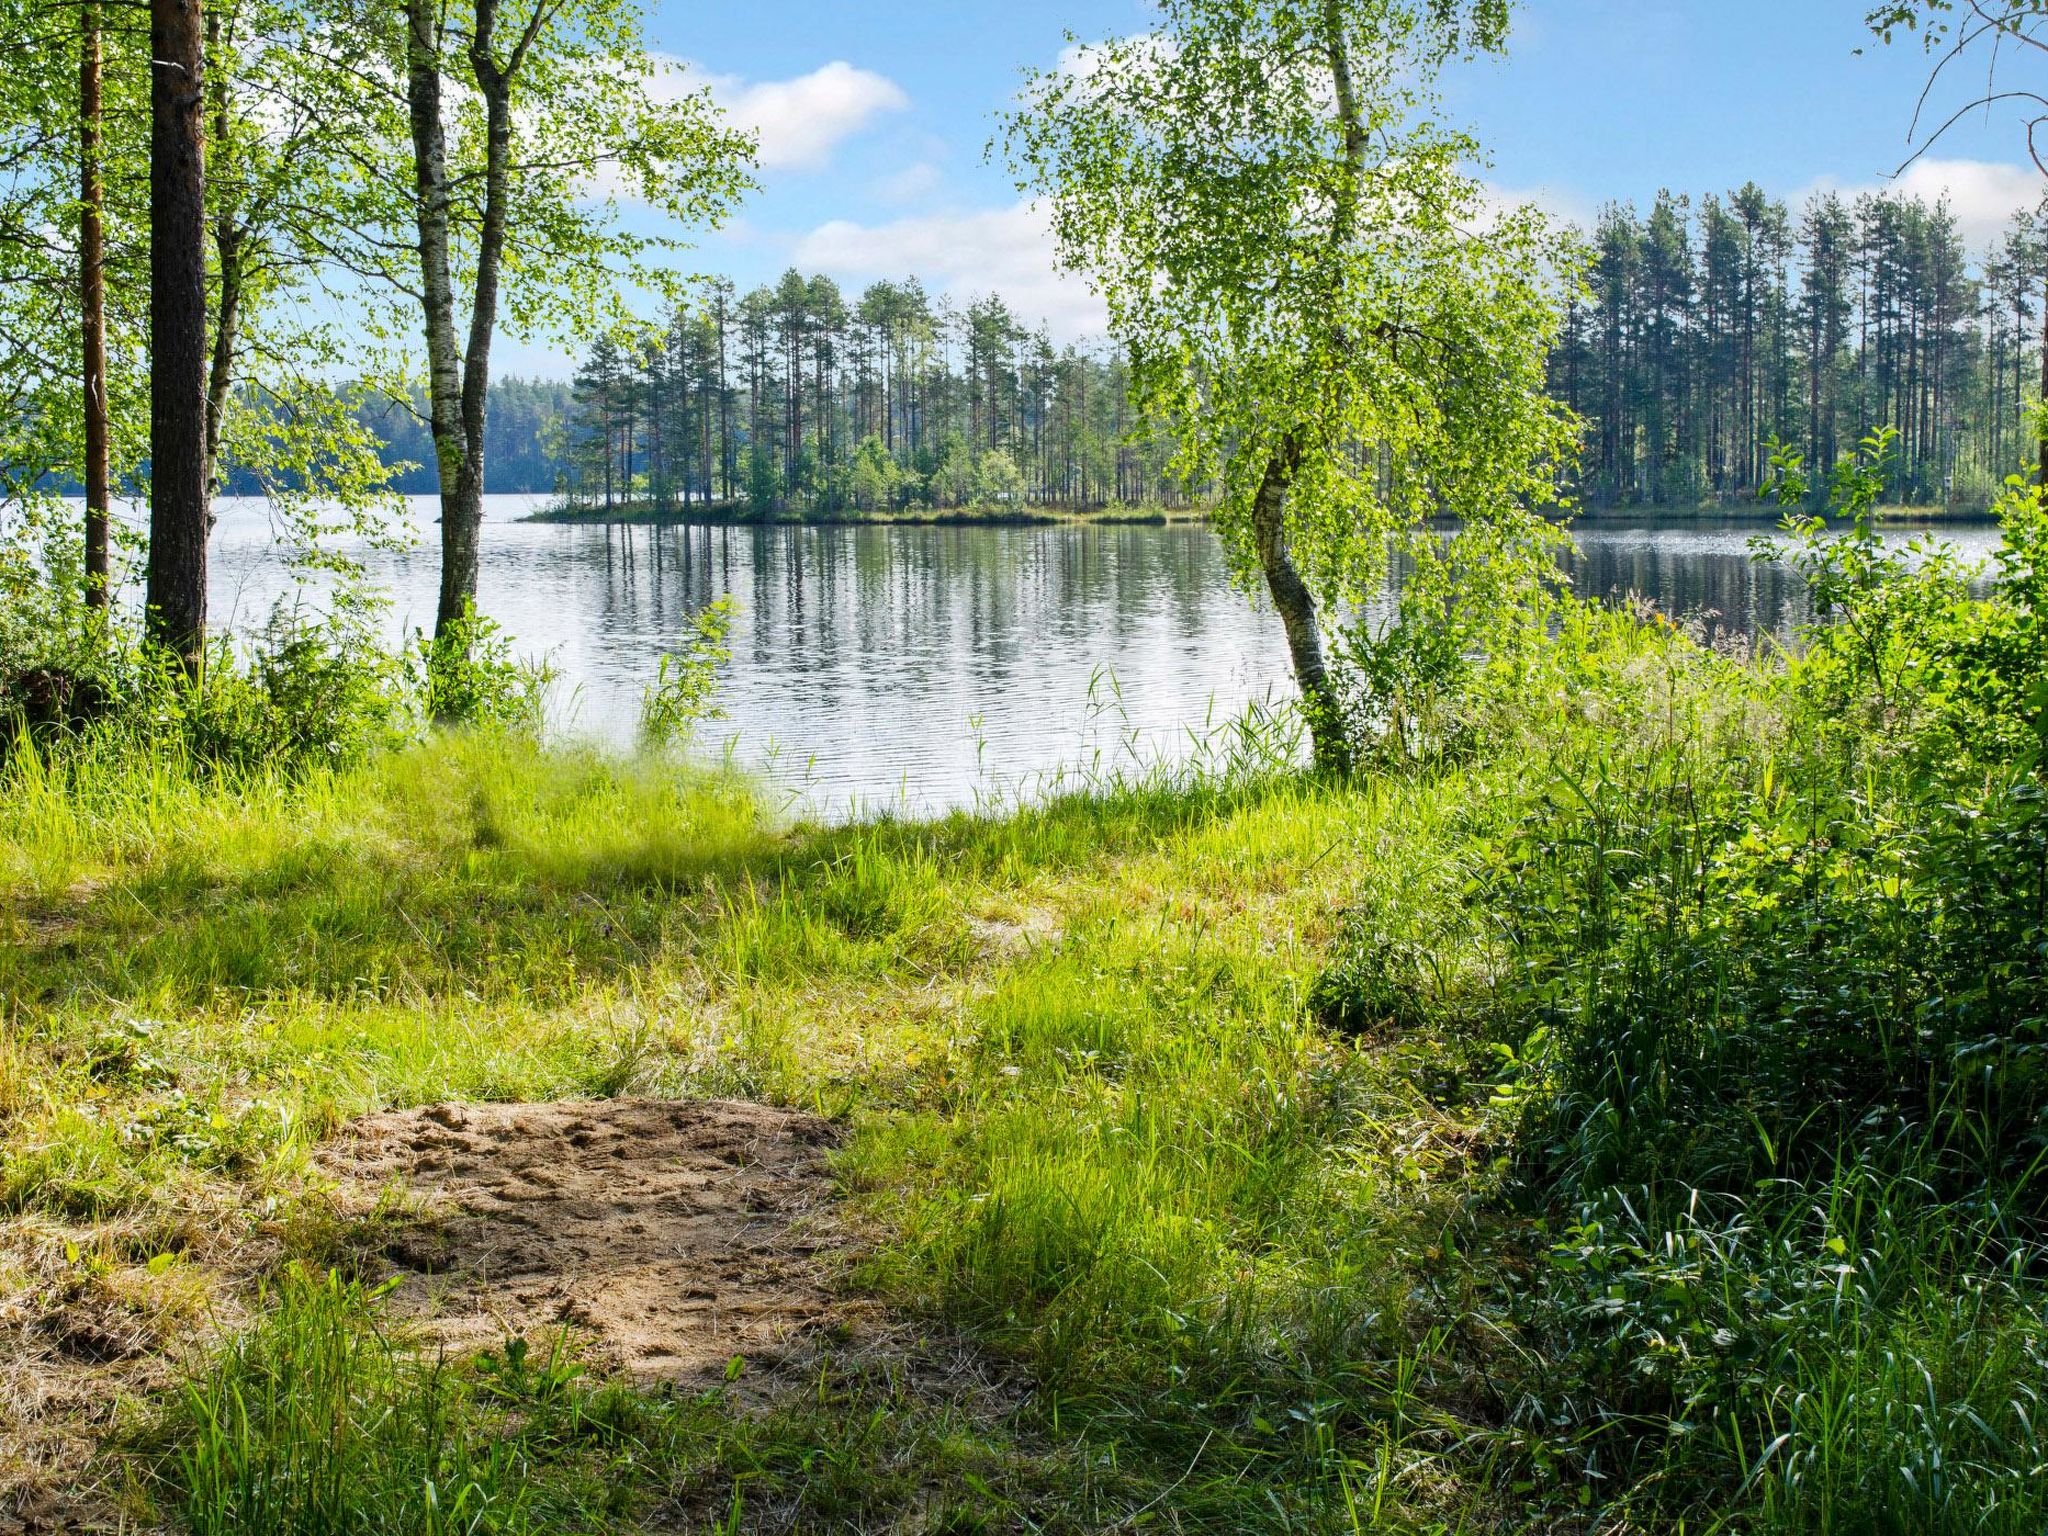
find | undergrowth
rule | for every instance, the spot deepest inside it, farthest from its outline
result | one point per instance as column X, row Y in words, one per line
column 1623, row 1112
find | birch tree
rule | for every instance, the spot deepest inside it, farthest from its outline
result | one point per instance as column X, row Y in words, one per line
column 528, row 122
column 1317, row 302
column 74, row 143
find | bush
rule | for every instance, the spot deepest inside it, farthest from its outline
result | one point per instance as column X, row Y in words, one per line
column 469, row 676
column 681, row 696
column 1765, row 979
column 308, row 688
column 1754, row 950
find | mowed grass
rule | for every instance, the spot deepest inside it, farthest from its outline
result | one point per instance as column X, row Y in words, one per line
column 1094, row 1129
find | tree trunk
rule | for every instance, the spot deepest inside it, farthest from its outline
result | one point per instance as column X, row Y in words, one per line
column 437, row 300
column 229, row 244
column 177, row 329
column 92, row 285
column 2042, row 425
column 459, row 382
column 1297, row 609
column 462, row 518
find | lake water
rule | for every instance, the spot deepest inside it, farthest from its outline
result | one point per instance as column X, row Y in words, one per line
column 922, row 668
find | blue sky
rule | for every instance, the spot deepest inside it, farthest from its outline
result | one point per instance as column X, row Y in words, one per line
column 874, row 117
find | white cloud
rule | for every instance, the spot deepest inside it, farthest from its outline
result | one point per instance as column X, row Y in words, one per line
column 912, row 184
column 1983, row 194
column 1561, row 203
column 1007, row 251
column 801, row 121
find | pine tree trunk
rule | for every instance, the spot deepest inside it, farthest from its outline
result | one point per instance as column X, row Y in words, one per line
column 2043, row 419
column 177, row 327
column 92, row 285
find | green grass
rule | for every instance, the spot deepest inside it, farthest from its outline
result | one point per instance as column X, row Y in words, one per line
column 1265, row 1143
column 323, row 1422
column 1072, row 1035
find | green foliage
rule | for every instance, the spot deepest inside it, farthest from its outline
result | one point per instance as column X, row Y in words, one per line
column 875, row 481
column 952, row 480
column 594, row 127
column 305, row 688
column 1322, row 315
column 681, row 696
column 312, row 686
column 42, row 421
column 469, row 675
column 1763, row 974
column 763, row 488
column 1295, row 286
column 1470, row 624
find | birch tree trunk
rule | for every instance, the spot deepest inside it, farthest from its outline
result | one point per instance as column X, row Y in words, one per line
column 458, row 382
column 230, row 245
column 437, row 293
column 1296, row 606
column 1292, row 598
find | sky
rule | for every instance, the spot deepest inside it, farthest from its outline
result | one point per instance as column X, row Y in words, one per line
column 874, row 117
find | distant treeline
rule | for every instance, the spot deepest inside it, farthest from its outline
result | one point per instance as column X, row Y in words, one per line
column 1714, row 325
column 526, row 440
column 1706, row 329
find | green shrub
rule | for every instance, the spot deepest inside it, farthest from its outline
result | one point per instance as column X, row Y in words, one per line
column 468, row 675
column 309, row 687
column 1764, row 968
column 681, row 696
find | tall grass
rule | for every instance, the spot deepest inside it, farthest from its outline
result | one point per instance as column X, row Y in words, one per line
column 1621, row 1123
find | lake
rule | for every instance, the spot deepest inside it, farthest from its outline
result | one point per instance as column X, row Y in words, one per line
column 918, row 669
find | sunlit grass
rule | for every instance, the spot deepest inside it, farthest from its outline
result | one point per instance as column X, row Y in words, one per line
column 1192, row 1102
column 1071, row 1034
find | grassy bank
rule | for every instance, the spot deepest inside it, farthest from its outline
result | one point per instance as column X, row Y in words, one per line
column 1588, row 1124
column 741, row 514
column 210, row 976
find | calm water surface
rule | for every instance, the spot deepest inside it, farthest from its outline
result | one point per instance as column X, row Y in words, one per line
column 922, row 668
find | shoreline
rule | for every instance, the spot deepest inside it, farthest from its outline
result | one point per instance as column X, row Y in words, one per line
column 726, row 516
column 1763, row 517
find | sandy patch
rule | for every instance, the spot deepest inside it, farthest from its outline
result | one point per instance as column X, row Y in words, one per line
column 668, row 1236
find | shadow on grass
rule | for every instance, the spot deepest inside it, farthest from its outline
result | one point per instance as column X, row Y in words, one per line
column 487, row 866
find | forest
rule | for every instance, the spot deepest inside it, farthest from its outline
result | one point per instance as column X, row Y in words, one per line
column 1532, row 1060
column 792, row 397
column 1702, row 332
column 1710, row 328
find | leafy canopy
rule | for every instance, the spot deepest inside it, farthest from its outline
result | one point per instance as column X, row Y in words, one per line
column 1304, row 268
column 611, row 162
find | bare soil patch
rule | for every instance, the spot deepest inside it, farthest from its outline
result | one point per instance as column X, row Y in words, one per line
column 668, row 1237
